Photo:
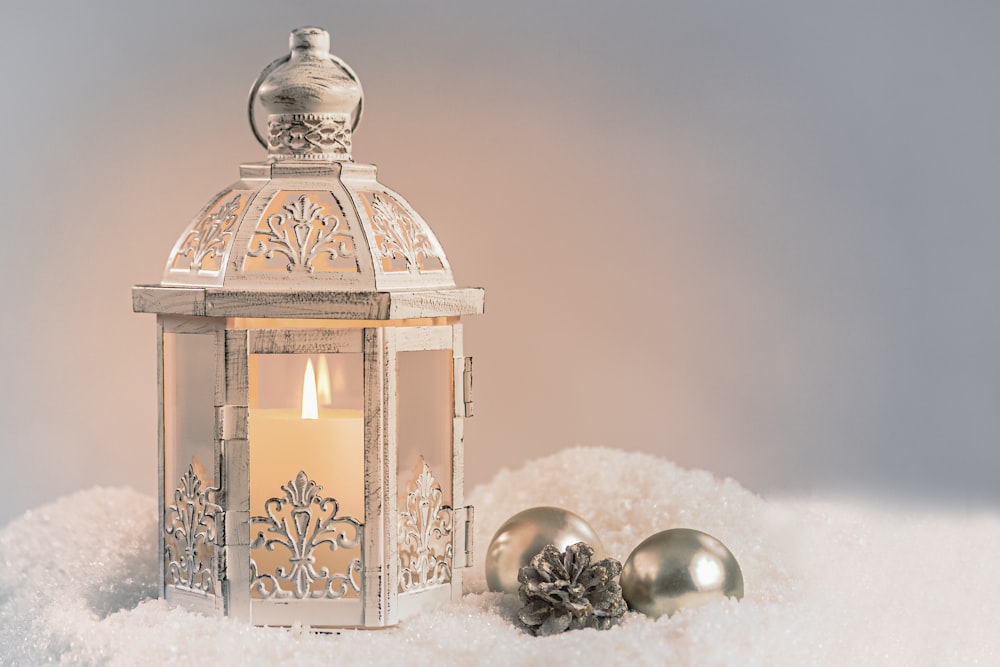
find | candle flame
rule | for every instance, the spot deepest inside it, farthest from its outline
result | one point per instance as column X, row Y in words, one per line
column 323, row 382
column 310, row 405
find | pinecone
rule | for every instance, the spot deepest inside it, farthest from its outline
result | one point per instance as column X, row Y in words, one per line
column 563, row 591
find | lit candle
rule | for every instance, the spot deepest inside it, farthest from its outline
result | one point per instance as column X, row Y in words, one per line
column 326, row 443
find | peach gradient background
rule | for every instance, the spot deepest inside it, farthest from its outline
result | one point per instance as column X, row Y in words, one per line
column 757, row 238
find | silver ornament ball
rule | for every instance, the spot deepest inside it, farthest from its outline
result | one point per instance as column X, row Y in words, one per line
column 678, row 569
column 525, row 534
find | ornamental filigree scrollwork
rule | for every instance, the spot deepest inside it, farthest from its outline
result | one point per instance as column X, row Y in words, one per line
column 190, row 527
column 207, row 242
column 399, row 237
column 305, row 524
column 306, row 238
column 424, row 535
column 308, row 136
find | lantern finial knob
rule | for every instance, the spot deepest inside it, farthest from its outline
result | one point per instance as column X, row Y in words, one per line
column 313, row 99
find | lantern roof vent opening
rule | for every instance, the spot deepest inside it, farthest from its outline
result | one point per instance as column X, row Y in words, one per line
column 308, row 219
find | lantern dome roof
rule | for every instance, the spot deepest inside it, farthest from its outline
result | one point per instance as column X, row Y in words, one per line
column 308, row 218
column 286, row 225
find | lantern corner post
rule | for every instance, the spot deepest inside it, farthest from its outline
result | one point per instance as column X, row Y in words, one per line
column 380, row 581
column 161, row 489
column 232, row 398
column 463, row 521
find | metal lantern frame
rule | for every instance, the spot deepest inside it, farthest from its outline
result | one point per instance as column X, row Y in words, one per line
column 307, row 253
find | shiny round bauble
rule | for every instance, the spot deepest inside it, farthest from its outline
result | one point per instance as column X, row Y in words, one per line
column 525, row 534
column 678, row 569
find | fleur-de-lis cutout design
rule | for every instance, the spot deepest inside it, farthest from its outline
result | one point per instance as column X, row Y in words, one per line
column 210, row 238
column 424, row 534
column 191, row 534
column 300, row 523
column 302, row 233
column 398, row 236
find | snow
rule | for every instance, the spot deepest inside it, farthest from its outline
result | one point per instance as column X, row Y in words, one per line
column 827, row 582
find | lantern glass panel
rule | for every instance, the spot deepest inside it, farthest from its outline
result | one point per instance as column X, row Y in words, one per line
column 424, row 465
column 189, row 466
column 188, row 408
column 424, row 417
column 306, row 432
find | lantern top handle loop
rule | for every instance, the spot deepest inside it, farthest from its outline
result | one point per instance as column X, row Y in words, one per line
column 313, row 98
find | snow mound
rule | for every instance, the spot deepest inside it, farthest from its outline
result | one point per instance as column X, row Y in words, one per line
column 827, row 583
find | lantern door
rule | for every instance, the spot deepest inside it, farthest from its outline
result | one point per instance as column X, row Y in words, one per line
column 431, row 520
column 306, row 476
column 189, row 480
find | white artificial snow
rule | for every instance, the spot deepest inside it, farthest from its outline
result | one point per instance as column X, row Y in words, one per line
column 826, row 583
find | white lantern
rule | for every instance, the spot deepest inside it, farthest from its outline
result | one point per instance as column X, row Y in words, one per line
column 313, row 384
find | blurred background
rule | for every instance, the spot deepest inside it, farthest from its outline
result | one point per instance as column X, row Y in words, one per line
column 755, row 238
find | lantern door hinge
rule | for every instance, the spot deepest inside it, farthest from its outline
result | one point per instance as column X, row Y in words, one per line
column 467, row 386
column 233, row 533
column 231, row 422
column 221, row 570
column 464, row 525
